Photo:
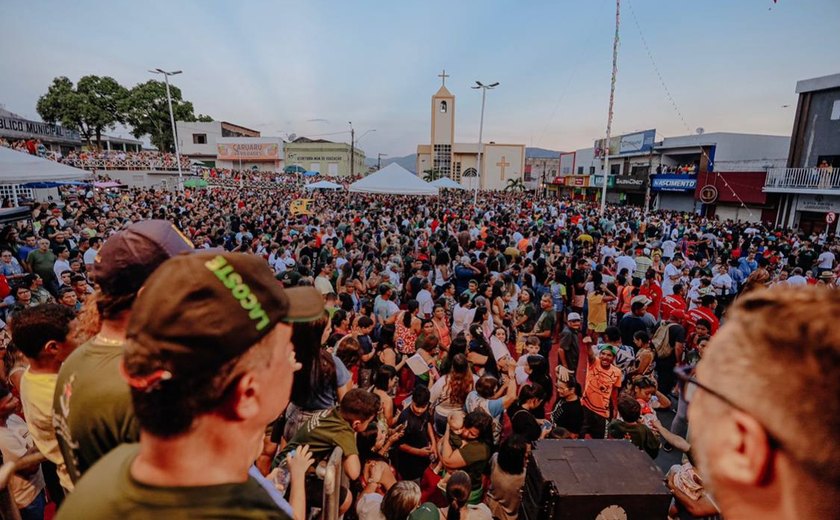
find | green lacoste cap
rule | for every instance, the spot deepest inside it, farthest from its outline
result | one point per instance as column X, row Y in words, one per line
column 199, row 311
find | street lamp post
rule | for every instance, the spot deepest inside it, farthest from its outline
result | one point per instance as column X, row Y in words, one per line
column 484, row 88
column 172, row 120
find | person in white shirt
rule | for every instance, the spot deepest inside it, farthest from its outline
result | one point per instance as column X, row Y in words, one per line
column 797, row 279
column 424, row 299
column 825, row 262
column 322, row 281
column 608, row 250
column 668, row 248
column 462, row 315
column 90, row 255
column 27, row 488
column 625, row 261
column 671, row 276
column 62, row 263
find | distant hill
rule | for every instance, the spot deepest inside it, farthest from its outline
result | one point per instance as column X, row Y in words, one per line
column 409, row 162
column 541, row 152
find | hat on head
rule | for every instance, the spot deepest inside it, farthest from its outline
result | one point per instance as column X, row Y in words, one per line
column 130, row 256
column 197, row 312
column 426, row 511
column 827, row 274
column 573, row 316
column 641, row 298
column 611, row 348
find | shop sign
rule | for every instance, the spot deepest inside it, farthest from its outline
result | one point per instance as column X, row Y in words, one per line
column 818, row 203
column 578, row 181
column 673, row 182
column 708, row 194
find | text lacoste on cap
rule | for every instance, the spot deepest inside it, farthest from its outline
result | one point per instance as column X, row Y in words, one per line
column 239, row 290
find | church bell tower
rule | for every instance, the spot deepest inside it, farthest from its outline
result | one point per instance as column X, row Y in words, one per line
column 443, row 128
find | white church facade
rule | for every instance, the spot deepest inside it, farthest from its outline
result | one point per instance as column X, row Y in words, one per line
column 459, row 161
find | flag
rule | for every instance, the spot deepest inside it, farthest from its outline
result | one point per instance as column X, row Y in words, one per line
column 300, row 207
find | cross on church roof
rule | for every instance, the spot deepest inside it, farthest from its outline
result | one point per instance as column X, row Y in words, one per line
column 443, row 75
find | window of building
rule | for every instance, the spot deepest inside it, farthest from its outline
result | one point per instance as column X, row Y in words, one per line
column 443, row 107
column 333, row 169
column 835, row 110
column 199, row 138
column 456, row 175
column 580, row 170
column 315, row 167
column 470, row 172
column 442, row 160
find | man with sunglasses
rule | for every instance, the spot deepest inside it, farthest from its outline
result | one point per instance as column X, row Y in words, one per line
column 764, row 406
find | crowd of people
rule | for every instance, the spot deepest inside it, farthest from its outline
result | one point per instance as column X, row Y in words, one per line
column 101, row 159
column 428, row 342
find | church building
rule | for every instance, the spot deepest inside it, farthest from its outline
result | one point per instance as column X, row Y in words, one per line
column 459, row 161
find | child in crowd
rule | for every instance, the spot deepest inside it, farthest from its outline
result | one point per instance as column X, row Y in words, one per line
column 630, row 428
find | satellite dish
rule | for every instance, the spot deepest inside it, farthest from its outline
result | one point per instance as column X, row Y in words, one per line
column 700, row 130
column 292, row 137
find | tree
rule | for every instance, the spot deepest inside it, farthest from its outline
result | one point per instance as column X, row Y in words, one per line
column 515, row 185
column 432, row 175
column 92, row 106
column 147, row 112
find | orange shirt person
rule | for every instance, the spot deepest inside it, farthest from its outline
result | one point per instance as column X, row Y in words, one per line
column 600, row 394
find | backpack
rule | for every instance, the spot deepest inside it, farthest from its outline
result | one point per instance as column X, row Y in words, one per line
column 661, row 341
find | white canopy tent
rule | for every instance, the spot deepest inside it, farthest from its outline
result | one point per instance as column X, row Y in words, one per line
column 20, row 168
column 447, row 183
column 323, row 185
column 393, row 179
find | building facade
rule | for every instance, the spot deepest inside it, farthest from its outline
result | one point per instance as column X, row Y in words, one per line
column 250, row 153
column 197, row 140
column 807, row 188
column 56, row 138
column 500, row 164
column 326, row 157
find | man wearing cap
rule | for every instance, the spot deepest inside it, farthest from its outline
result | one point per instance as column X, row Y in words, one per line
column 92, row 405
column 706, row 311
column 569, row 351
column 674, row 302
column 208, row 358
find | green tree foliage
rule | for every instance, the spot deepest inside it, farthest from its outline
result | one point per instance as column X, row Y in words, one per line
column 147, row 112
column 515, row 185
column 431, row 175
column 92, row 106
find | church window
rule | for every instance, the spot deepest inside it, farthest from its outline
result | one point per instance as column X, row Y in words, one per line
column 443, row 107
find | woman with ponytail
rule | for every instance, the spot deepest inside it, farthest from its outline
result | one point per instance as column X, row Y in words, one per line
column 457, row 497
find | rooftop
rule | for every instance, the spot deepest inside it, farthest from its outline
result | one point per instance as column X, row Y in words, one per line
column 815, row 84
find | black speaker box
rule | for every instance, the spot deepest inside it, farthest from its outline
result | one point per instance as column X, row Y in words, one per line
column 593, row 480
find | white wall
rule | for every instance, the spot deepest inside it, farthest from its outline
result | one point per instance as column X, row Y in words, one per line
column 185, row 137
column 739, row 152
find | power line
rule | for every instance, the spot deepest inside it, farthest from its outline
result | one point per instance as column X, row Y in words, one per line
column 677, row 108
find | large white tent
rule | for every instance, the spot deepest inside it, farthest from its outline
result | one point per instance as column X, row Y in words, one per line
column 323, row 185
column 393, row 179
column 447, row 183
column 21, row 168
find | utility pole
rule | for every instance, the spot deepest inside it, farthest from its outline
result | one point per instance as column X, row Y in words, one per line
column 352, row 149
column 172, row 120
column 484, row 88
column 610, row 111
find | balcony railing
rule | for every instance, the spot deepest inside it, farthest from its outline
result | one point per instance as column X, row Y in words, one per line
column 810, row 179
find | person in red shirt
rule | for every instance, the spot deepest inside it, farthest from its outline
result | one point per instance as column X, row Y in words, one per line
column 674, row 302
column 705, row 311
column 652, row 289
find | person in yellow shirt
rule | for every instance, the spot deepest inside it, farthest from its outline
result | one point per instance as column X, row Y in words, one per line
column 41, row 335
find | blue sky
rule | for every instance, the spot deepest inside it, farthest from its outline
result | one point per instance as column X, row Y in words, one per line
column 310, row 66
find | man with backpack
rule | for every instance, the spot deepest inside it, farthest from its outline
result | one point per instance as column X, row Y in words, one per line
column 668, row 343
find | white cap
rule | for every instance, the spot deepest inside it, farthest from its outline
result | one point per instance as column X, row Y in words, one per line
column 573, row 316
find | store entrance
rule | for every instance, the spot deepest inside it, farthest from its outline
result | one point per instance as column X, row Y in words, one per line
column 813, row 222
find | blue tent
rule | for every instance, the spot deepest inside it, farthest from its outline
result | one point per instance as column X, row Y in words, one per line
column 52, row 184
column 311, row 173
